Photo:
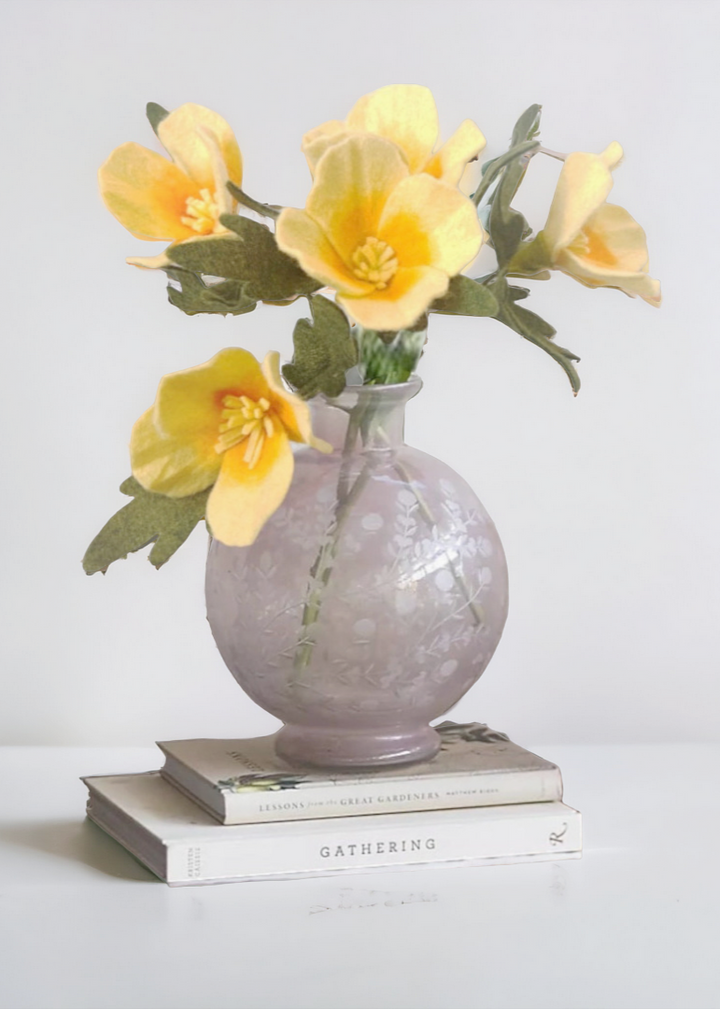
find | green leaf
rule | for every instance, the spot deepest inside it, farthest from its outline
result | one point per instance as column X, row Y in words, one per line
column 528, row 125
column 534, row 329
column 531, row 258
column 507, row 226
column 196, row 297
column 528, row 324
column 488, row 165
column 524, row 132
column 466, row 297
column 250, row 254
column 264, row 209
column 324, row 350
column 155, row 113
column 149, row 518
column 492, row 168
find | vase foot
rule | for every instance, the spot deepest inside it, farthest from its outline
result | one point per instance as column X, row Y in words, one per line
column 341, row 748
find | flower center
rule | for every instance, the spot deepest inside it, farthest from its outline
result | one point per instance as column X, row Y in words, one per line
column 202, row 213
column 247, row 421
column 591, row 245
column 375, row 262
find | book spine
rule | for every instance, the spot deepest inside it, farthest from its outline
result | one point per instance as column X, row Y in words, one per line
column 363, row 797
column 342, row 849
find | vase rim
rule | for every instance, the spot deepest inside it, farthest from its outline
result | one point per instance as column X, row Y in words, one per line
column 412, row 386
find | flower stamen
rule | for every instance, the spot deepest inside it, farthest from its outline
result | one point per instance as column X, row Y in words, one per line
column 375, row 262
column 590, row 245
column 203, row 213
column 244, row 420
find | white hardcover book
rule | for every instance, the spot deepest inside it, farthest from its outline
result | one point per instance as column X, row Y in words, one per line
column 183, row 845
column 244, row 781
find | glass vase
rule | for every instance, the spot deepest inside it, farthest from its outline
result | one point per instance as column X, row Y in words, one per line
column 372, row 599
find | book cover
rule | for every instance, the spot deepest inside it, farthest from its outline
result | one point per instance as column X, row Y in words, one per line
column 244, row 781
column 184, row 845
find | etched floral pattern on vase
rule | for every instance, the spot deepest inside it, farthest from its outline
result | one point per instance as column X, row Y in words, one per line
column 373, row 598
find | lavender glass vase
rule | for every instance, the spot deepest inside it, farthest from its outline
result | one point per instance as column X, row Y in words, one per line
column 373, row 598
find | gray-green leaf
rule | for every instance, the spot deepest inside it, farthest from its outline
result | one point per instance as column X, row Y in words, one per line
column 536, row 330
column 531, row 259
column 466, row 297
column 148, row 518
column 507, row 226
column 196, row 297
column 324, row 350
column 528, row 125
column 155, row 113
column 249, row 254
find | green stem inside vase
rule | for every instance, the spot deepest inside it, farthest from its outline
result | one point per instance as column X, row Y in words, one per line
column 364, row 421
column 347, row 495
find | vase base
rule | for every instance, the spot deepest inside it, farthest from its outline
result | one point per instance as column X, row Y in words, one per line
column 341, row 748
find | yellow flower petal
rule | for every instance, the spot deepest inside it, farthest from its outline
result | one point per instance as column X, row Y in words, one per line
column 633, row 284
column 189, row 403
column 611, row 251
column 173, row 466
column 146, row 193
column 352, row 183
column 162, row 260
column 583, row 186
column 452, row 159
column 293, row 412
column 387, row 241
column 317, row 141
column 402, row 303
column 612, row 155
column 611, row 237
column 299, row 235
column 224, row 202
column 403, row 113
column 150, row 262
column 223, row 423
column 596, row 243
column 183, row 134
column 243, row 499
column 429, row 223
column 406, row 115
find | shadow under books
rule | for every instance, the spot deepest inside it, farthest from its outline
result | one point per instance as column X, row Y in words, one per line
column 77, row 841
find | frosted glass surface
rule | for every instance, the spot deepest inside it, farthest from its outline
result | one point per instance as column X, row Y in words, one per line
column 400, row 619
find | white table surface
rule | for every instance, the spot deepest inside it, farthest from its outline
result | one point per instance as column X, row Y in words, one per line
column 635, row 924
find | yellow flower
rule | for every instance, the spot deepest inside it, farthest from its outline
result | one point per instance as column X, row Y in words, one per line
column 228, row 423
column 596, row 242
column 386, row 240
column 407, row 115
column 157, row 199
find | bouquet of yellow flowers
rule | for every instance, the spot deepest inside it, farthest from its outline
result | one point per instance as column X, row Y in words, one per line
column 387, row 231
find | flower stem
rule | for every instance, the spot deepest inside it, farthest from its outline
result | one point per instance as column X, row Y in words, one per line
column 426, row 512
column 552, row 154
column 264, row 209
column 361, row 419
column 528, row 147
column 322, row 568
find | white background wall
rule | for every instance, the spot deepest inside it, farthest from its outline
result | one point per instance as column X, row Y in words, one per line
column 607, row 504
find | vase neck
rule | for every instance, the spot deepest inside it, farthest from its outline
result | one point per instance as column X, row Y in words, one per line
column 364, row 418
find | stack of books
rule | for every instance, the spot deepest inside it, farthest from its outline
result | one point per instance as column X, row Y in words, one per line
column 224, row 810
